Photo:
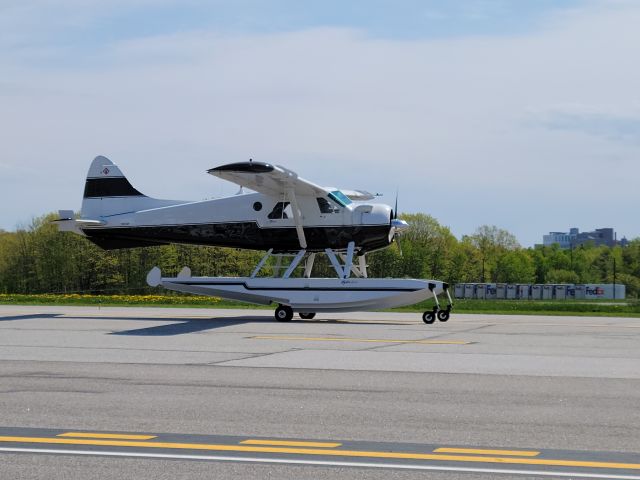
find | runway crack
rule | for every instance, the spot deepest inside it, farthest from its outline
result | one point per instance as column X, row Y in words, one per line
column 251, row 356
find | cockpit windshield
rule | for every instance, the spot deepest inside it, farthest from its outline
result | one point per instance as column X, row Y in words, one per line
column 340, row 198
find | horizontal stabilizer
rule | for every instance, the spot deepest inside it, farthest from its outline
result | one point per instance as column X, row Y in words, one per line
column 68, row 223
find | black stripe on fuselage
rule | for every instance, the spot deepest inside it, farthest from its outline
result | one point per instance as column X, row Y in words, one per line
column 109, row 187
column 308, row 289
column 246, row 235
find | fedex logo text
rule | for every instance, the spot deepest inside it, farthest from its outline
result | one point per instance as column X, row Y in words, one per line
column 597, row 291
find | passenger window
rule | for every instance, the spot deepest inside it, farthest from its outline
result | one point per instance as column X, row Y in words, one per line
column 325, row 206
column 280, row 211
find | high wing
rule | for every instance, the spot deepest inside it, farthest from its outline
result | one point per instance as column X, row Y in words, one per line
column 272, row 180
column 358, row 195
column 275, row 181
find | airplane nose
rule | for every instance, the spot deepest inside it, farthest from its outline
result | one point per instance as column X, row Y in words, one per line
column 399, row 225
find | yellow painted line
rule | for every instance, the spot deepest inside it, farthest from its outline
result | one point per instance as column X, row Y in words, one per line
column 365, row 340
column 115, row 436
column 328, row 452
column 515, row 453
column 286, row 443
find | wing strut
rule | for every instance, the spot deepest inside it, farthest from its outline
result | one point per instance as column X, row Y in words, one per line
column 297, row 218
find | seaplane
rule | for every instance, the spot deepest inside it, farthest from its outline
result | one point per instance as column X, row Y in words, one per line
column 289, row 218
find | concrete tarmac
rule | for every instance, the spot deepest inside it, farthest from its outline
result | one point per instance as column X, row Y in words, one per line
column 565, row 387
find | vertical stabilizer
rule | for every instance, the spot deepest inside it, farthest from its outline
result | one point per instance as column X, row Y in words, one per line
column 106, row 180
column 107, row 192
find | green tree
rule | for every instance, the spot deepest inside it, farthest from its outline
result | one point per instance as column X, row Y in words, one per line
column 562, row 276
column 492, row 242
column 515, row 267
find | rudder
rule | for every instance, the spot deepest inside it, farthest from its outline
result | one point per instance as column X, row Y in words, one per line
column 107, row 192
column 105, row 179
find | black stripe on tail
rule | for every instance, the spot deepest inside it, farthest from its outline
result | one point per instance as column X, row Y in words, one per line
column 109, row 187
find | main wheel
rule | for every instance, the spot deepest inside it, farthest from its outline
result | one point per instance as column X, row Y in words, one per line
column 443, row 315
column 428, row 318
column 284, row 313
column 307, row 316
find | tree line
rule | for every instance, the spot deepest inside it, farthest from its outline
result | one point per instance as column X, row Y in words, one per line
column 39, row 259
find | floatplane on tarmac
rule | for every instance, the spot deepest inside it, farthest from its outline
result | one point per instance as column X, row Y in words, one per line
column 290, row 218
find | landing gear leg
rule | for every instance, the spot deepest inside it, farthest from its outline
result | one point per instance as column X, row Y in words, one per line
column 284, row 313
column 443, row 315
column 429, row 317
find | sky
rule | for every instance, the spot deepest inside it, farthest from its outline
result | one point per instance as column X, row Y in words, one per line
column 519, row 114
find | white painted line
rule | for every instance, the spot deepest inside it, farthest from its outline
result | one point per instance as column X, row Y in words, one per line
column 547, row 473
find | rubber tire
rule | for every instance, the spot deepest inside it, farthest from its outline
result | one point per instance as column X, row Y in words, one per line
column 428, row 317
column 284, row 313
column 443, row 315
column 307, row 316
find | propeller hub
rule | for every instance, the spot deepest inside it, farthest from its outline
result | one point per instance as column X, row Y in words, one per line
column 399, row 225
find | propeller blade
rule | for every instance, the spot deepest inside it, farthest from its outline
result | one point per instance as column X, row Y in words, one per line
column 395, row 209
column 397, row 226
column 397, row 239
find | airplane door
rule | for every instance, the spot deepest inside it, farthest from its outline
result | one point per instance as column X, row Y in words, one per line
column 276, row 214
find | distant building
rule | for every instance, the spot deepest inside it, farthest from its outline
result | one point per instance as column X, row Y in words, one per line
column 575, row 238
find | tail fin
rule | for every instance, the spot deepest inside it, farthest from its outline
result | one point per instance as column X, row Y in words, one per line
column 106, row 180
column 107, row 192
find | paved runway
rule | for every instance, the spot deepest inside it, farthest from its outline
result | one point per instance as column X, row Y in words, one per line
column 144, row 393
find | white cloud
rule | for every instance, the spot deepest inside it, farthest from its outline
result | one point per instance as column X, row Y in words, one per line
column 457, row 124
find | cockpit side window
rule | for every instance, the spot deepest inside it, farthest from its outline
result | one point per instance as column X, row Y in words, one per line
column 280, row 211
column 326, row 206
column 340, row 198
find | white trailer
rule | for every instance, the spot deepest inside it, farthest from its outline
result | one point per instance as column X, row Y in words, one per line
column 524, row 291
column 560, row 292
column 469, row 290
column 491, row 291
column 536, row 291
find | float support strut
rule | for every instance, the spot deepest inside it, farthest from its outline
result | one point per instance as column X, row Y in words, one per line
column 294, row 263
column 261, row 263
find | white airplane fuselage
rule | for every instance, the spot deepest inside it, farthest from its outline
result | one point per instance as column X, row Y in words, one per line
column 235, row 222
column 118, row 216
